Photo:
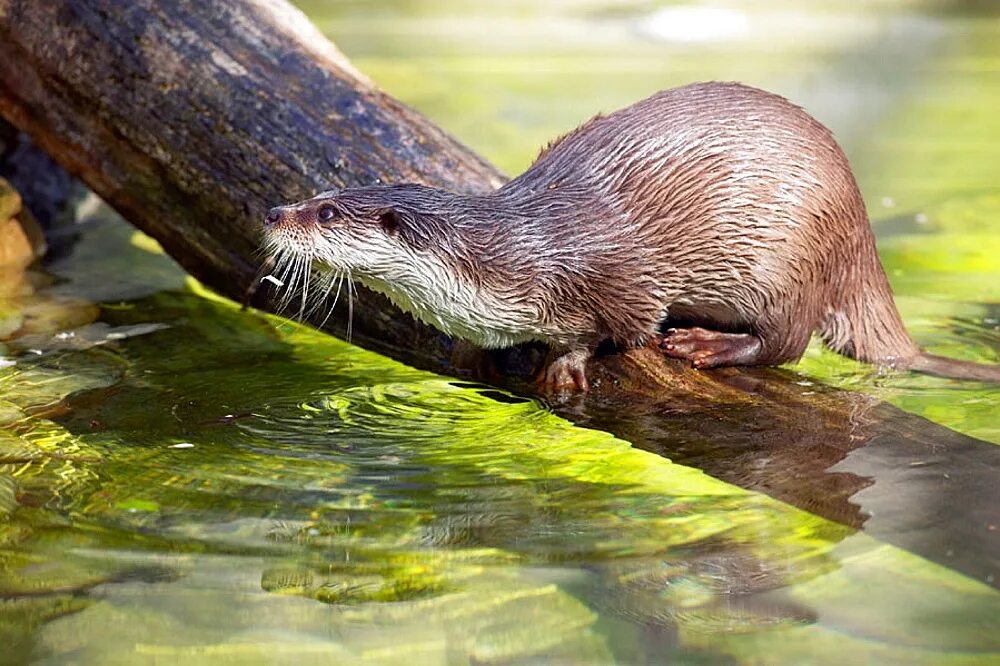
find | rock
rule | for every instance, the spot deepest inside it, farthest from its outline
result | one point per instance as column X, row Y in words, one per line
column 10, row 200
column 21, row 239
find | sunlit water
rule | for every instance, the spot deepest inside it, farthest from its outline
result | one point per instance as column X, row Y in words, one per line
column 180, row 480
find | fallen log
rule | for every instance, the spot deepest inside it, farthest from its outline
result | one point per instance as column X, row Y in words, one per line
column 193, row 118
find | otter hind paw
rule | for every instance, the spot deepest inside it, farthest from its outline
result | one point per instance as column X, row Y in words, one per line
column 711, row 349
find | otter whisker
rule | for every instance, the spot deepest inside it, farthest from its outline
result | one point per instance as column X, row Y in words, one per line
column 296, row 285
column 337, row 279
column 305, row 289
column 285, row 271
column 350, row 304
column 322, row 294
column 295, row 273
column 280, row 275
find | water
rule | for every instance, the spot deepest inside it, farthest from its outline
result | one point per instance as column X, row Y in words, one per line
column 180, row 480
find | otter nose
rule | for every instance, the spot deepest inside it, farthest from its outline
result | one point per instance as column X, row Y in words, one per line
column 273, row 217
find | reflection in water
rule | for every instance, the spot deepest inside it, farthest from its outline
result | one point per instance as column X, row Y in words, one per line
column 181, row 480
column 330, row 504
column 929, row 490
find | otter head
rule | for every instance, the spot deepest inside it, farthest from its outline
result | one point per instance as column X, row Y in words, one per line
column 417, row 245
column 363, row 231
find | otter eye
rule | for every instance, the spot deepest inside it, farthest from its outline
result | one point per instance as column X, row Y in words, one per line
column 325, row 213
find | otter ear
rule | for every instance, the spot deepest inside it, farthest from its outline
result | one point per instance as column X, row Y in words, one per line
column 408, row 226
column 390, row 219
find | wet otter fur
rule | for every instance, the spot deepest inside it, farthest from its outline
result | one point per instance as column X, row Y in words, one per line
column 720, row 210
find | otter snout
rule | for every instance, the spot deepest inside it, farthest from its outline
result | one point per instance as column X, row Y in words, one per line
column 274, row 217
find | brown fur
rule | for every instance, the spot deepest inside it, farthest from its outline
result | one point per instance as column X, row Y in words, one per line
column 713, row 205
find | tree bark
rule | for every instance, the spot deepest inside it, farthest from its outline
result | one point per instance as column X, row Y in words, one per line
column 192, row 118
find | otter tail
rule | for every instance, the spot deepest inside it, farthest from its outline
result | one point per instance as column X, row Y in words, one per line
column 953, row 368
column 864, row 324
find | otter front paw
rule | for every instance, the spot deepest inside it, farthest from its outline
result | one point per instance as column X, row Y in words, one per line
column 566, row 373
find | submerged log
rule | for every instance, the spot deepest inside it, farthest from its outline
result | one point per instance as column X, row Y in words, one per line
column 192, row 118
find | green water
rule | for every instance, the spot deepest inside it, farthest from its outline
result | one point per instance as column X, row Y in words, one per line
column 180, row 480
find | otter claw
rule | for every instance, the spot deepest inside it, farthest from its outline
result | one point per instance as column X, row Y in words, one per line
column 566, row 373
column 710, row 349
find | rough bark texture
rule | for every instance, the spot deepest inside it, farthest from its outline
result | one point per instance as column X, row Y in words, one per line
column 192, row 118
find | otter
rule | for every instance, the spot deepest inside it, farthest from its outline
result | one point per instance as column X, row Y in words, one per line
column 719, row 220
